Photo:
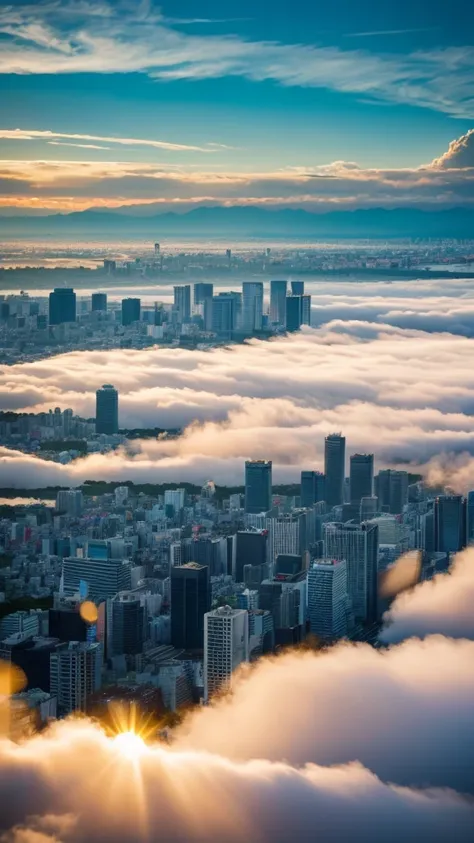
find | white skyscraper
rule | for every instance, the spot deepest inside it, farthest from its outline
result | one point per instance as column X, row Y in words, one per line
column 327, row 599
column 252, row 306
column 76, row 673
column 226, row 645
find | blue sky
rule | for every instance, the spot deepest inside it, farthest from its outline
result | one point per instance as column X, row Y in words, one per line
column 263, row 96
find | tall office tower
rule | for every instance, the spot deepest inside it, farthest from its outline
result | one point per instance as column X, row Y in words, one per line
column 293, row 310
column 450, row 516
column 312, row 488
column 357, row 544
column 190, row 600
column 327, row 599
column 100, row 578
column 125, row 625
column 391, row 488
column 223, row 315
column 470, row 517
column 175, row 498
column 203, row 291
column 62, row 305
column 66, row 623
column 258, row 486
column 252, row 306
column 334, row 467
column 76, row 673
column 361, row 477
column 99, row 301
column 106, row 412
column 182, row 301
column 70, row 501
column 208, row 551
column 286, row 534
column 306, row 310
column 368, row 507
column 278, row 303
column 297, row 288
column 251, row 549
column 131, row 309
column 226, row 645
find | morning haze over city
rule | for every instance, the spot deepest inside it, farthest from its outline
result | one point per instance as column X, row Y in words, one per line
column 236, row 421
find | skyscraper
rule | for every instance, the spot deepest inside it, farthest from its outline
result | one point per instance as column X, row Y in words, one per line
column 297, row 288
column 76, row 673
column 278, row 303
column 103, row 577
column 226, row 645
column 182, row 301
column 391, row 488
column 226, row 308
column 252, row 306
column 306, row 310
column 106, row 414
column 62, row 306
column 450, row 517
column 203, row 295
column 251, row 549
column 190, row 600
column 258, row 486
column 130, row 311
column 334, row 468
column 470, row 517
column 361, row 477
column 99, row 301
column 125, row 625
column 293, row 311
column 327, row 599
column 312, row 488
column 357, row 544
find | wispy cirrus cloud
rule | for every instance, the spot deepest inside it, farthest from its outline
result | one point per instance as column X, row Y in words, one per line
column 35, row 134
column 76, row 38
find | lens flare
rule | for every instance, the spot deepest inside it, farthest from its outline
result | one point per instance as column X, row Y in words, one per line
column 88, row 612
column 130, row 744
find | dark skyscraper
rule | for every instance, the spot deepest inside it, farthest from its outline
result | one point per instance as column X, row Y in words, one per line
column 190, row 600
column 125, row 625
column 306, row 310
column 203, row 291
column 470, row 517
column 106, row 414
column 62, row 306
column 258, row 486
column 312, row 488
column 278, row 303
column 297, row 288
column 293, row 318
column 361, row 477
column 182, row 301
column 391, row 488
column 99, row 301
column 334, row 467
column 450, row 523
column 130, row 311
column 251, row 549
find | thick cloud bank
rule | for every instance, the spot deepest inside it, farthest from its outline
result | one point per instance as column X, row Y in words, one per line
column 443, row 605
column 408, row 391
column 258, row 766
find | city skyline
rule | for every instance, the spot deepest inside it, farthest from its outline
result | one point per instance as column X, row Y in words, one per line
column 266, row 105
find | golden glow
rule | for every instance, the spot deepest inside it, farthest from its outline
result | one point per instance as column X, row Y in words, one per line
column 88, row 612
column 130, row 744
column 12, row 679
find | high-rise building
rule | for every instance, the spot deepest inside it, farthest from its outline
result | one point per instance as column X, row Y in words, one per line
column 327, row 599
column 278, row 303
column 357, row 545
column 106, row 414
column 368, row 507
column 287, row 534
column 391, row 488
column 62, row 306
column 99, row 301
column 21, row 622
column 182, row 301
column 70, row 501
column 225, row 314
column 312, row 488
column 102, row 578
column 470, row 517
column 258, row 486
column 190, row 600
column 125, row 625
column 334, row 468
column 361, row 477
column 226, row 646
column 251, row 549
column 131, row 309
column 297, row 288
column 76, row 673
column 252, row 306
column 294, row 314
column 174, row 498
column 203, row 295
column 450, row 517
column 306, row 310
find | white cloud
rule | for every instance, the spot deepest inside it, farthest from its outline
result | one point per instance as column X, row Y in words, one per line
column 35, row 134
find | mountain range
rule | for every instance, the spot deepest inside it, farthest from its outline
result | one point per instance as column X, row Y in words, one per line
column 248, row 222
